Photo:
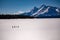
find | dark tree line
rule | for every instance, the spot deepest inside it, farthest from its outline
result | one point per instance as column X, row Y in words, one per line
column 23, row 16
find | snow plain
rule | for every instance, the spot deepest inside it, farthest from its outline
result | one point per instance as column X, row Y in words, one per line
column 30, row 29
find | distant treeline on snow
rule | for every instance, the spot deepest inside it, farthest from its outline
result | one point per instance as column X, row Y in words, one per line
column 22, row 16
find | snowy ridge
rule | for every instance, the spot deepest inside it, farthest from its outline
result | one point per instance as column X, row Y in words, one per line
column 42, row 12
column 37, row 11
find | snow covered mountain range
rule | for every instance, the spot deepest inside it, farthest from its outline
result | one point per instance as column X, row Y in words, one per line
column 43, row 11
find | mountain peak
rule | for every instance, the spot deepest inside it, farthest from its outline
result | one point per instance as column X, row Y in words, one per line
column 34, row 9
